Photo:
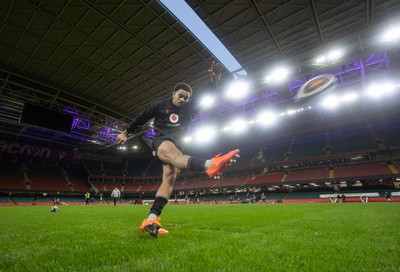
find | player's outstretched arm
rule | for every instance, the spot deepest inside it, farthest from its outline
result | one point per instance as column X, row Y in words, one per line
column 122, row 137
column 149, row 113
column 215, row 71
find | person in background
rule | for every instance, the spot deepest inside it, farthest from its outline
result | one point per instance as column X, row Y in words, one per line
column 263, row 197
column 56, row 201
column 116, row 194
column 87, row 198
column 101, row 197
column 388, row 196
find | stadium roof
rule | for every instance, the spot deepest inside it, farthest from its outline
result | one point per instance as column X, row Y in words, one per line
column 105, row 62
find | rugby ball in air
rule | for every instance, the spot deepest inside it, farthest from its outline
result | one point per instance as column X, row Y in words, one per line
column 316, row 88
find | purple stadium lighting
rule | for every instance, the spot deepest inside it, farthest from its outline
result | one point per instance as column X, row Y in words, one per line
column 104, row 136
column 79, row 124
column 69, row 111
column 362, row 66
column 150, row 134
column 272, row 97
column 200, row 116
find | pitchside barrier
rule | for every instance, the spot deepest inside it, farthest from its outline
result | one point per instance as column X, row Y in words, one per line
column 353, row 197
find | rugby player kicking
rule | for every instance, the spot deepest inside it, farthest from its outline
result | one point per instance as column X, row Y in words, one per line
column 172, row 117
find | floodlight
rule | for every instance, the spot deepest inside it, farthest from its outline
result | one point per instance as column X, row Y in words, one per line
column 330, row 57
column 331, row 102
column 291, row 112
column 374, row 91
column 238, row 125
column 381, row 89
column 238, row 89
column 320, row 60
column 207, row 101
column 187, row 139
column 349, row 97
column 388, row 87
column 335, row 54
column 278, row 75
column 135, row 147
column 205, row 134
column 267, row 118
column 392, row 34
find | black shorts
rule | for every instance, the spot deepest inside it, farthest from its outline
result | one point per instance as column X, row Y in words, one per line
column 159, row 140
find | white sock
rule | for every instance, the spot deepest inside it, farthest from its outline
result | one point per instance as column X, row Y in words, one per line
column 151, row 216
column 208, row 164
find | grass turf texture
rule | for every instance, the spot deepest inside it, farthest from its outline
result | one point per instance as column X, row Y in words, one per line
column 271, row 237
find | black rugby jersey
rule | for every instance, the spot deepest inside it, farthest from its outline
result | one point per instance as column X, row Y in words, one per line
column 169, row 121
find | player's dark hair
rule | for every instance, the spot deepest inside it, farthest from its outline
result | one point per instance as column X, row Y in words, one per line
column 182, row 86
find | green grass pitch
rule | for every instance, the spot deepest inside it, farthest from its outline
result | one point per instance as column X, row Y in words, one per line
column 237, row 237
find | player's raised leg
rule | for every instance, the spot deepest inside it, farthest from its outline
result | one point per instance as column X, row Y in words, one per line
column 173, row 161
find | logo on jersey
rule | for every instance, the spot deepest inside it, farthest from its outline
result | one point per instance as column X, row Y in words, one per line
column 174, row 118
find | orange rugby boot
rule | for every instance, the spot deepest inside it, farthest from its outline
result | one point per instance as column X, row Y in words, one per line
column 152, row 226
column 219, row 162
column 162, row 231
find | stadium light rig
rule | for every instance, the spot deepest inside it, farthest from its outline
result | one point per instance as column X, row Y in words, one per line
column 205, row 134
column 187, row 139
column 380, row 90
column 239, row 125
column 331, row 102
column 349, row 97
column 237, row 89
column 392, row 34
column 278, row 75
column 330, row 57
column 207, row 101
column 266, row 118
